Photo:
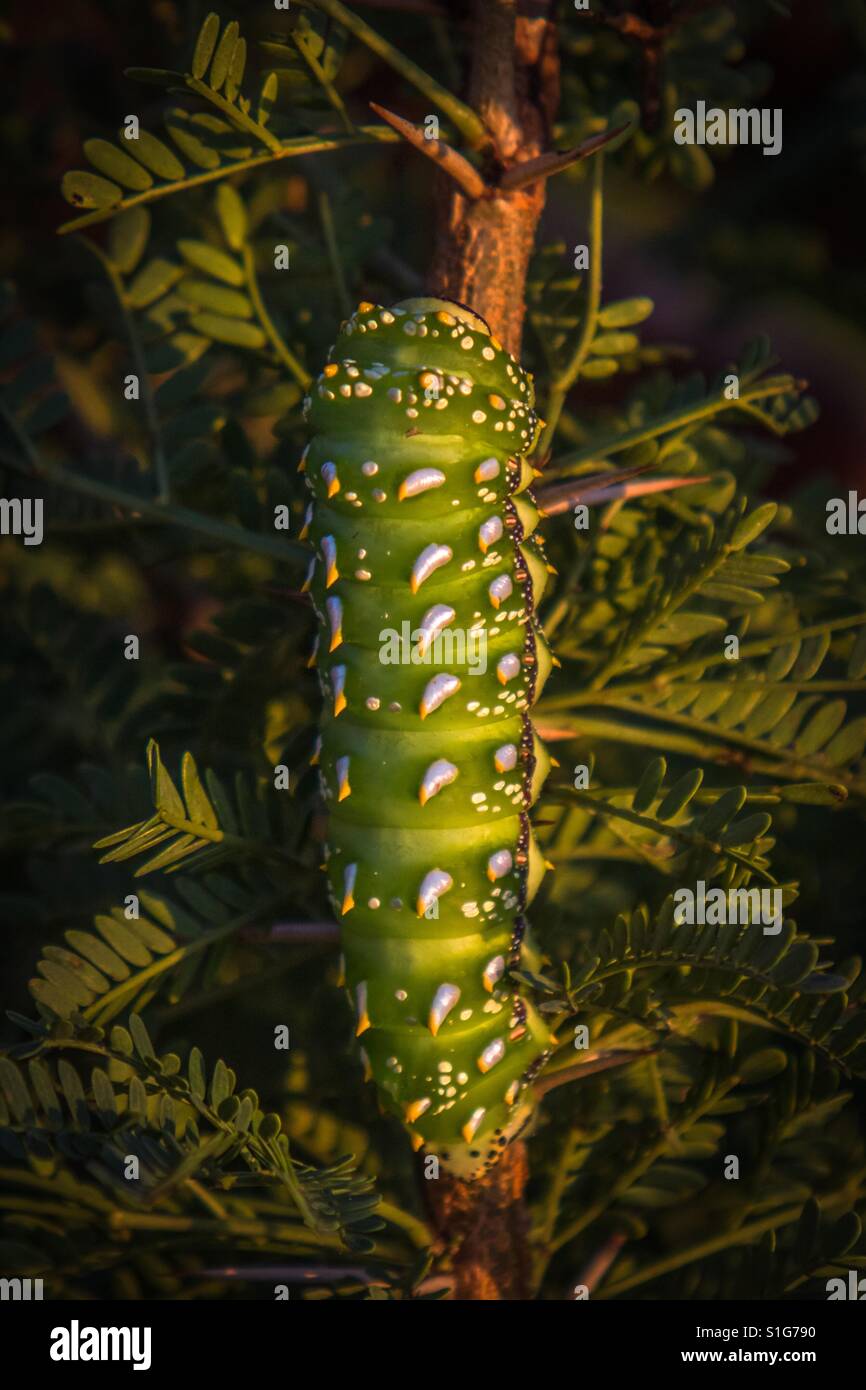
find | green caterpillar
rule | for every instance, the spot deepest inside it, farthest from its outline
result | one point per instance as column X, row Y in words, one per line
column 422, row 525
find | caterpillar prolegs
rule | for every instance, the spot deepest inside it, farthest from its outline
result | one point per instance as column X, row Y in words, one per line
column 423, row 527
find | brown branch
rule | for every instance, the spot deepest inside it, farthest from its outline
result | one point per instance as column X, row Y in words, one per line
column 458, row 168
column 601, row 488
column 593, row 1273
column 519, row 175
column 594, row 1062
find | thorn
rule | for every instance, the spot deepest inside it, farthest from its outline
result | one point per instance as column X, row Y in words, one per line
column 464, row 174
column 519, row 175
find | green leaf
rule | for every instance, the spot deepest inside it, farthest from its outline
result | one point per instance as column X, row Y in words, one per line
column 141, row 1038
column 224, row 55
column 820, row 728
column 218, row 299
column 211, row 261
column 127, row 237
column 625, row 313
column 166, row 797
column 205, row 45
column 234, row 332
column 232, row 215
column 158, row 158
column 599, row 368
column 857, row 659
column 649, row 785
column 680, row 794
column 152, row 282
column 200, row 809
column 86, row 190
column 117, row 166
column 752, row 525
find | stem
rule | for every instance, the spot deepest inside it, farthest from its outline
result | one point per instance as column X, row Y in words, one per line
column 289, row 149
column 281, row 348
column 159, row 460
column 679, row 419
column 168, row 513
column 563, row 383
column 327, row 220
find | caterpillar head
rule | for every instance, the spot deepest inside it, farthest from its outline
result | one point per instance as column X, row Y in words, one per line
column 432, row 305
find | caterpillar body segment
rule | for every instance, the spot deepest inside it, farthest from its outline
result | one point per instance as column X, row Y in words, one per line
column 426, row 581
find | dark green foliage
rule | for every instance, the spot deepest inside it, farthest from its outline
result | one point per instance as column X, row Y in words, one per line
column 176, row 515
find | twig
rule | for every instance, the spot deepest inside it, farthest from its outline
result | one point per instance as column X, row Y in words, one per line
column 554, row 160
column 281, row 348
column 290, row 149
column 564, row 381
column 592, row 1274
column 455, row 165
column 594, row 1062
column 598, row 489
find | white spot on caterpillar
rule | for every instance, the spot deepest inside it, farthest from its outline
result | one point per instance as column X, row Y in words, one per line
column 488, row 532
column 335, row 618
column 343, row 788
column 416, row 1108
column 507, row 668
column 470, row 1129
column 437, row 691
column 486, row 470
column 433, row 622
column 432, row 557
column 499, row 864
column 438, row 775
column 329, row 475
column 499, row 589
column 350, row 873
column 493, row 972
column 444, row 1000
column 338, row 684
column 422, row 480
column 493, row 1053
column 329, row 555
column 369, row 469
column 433, row 885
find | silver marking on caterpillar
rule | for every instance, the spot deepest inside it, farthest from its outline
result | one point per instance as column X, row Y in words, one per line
column 361, row 1008
column 414, row 1109
column 438, row 775
column 431, row 558
column 493, row 972
column 329, row 555
column 500, row 589
column 493, row 1053
column 422, row 480
column 505, row 758
column 433, row 885
column 444, row 1000
column 343, row 788
column 334, row 609
column 338, row 687
column 308, row 517
column 487, row 470
column 507, row 668
column 489, row 532
column 433, row 622
column 350, row 873
column 470, row 1129
column 329, row 475
column 499, row 864
column 437, row 691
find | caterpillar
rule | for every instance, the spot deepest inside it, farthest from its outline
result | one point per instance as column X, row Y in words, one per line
column 423, row 527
